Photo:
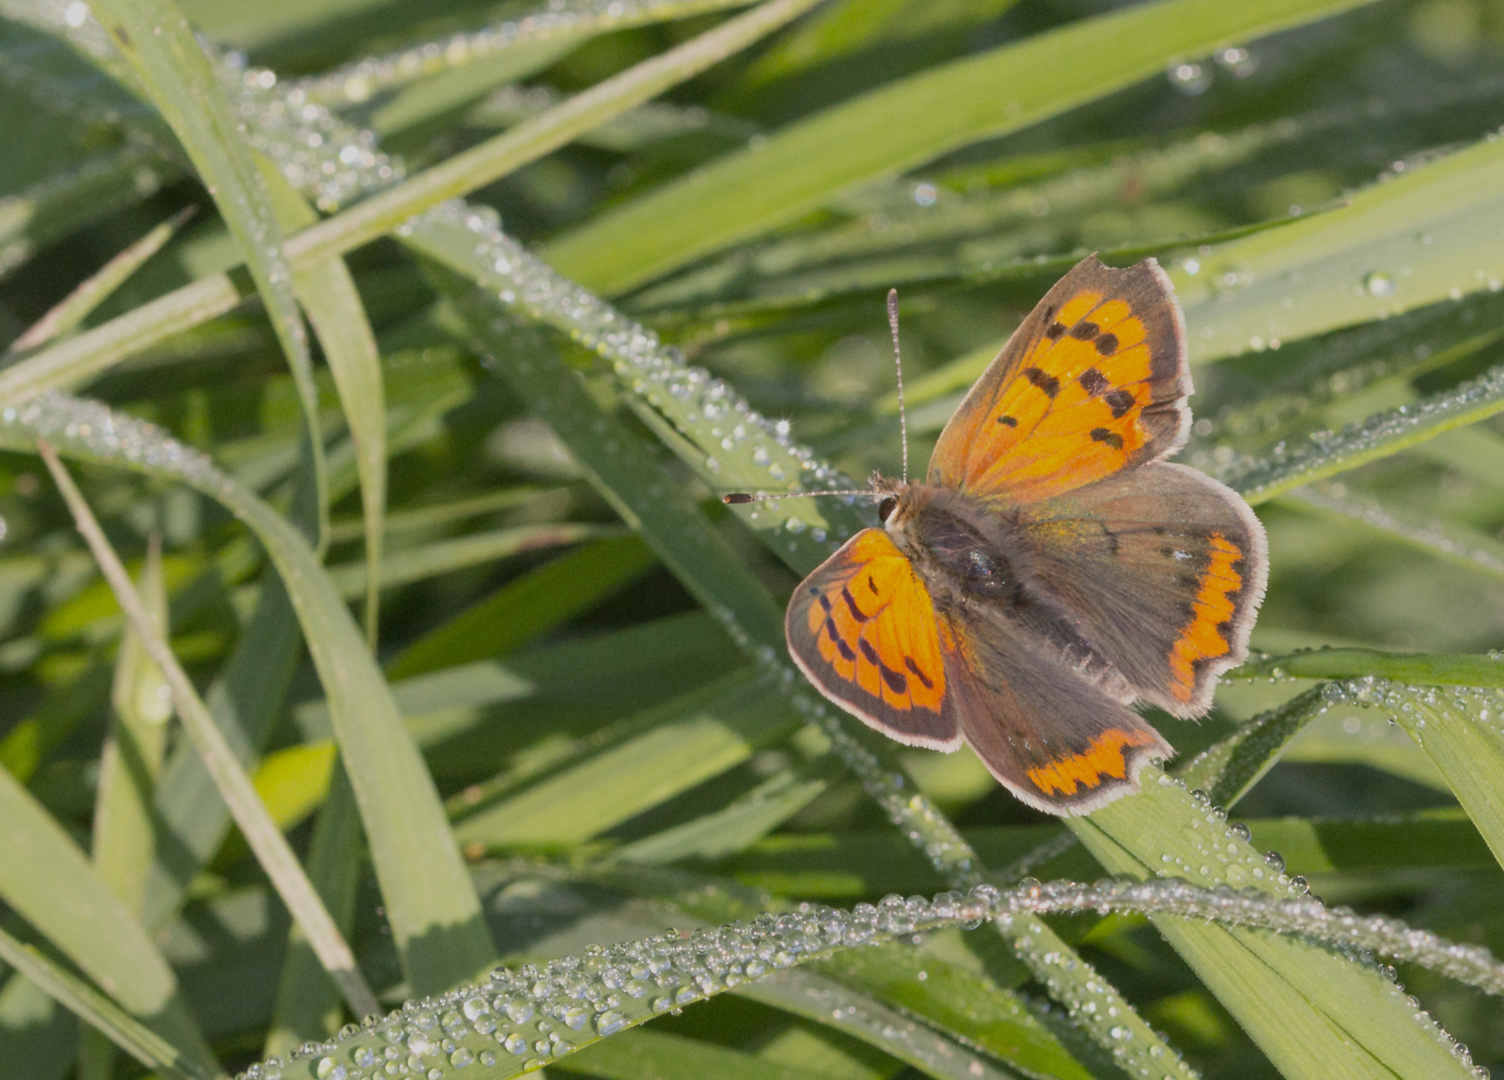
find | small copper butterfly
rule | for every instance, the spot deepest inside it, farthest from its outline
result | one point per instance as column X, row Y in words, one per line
column 1052, row 568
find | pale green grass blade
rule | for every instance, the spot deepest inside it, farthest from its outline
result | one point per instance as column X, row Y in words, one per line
column 1313, row 1012
column 272, row 850
column 1459, row 729
column 430, row 900
column 142, row 1042
column 75, row 307
column 431, row 516
column 33, row 220
column 243, row 700
column 125, row 838
column 179, row 80
column 328, row 294
column 49, row 883
column 1423, row 237
column 524, row 43
column 899, row 126
column 1381, row 435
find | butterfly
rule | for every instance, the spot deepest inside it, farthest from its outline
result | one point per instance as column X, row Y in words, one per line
column 1052, row 568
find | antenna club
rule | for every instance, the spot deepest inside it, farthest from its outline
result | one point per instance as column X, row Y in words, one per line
column 737, row 498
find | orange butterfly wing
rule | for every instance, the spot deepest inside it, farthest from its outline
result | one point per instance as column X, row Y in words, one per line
column 862, row 627
column 1094, row 381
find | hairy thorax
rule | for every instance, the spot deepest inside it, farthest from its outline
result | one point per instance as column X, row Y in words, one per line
column 956, row 544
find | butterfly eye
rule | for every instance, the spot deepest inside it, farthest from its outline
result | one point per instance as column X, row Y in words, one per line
column 886, row 507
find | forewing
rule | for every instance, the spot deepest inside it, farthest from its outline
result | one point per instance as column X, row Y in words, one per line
column 862, row 628
column 1164, row 568
column 1050, row 735
column 1093, row 382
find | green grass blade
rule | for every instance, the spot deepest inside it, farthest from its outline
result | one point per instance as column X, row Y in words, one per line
column 430, row 899
column 458, row 552
column 1228, row 768
column 244, row 700
column 899, row 126
column 1314, row 1012
column 645, row 1052
column 867, row 1018
column 732, row 829
column 92, row 292
column 684, row 743
column 1417, row 669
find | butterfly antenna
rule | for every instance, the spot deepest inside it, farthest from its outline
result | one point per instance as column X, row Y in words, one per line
column 738, row 498
column 903, row 422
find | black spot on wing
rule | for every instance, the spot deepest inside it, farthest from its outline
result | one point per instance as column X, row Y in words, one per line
column 1107, row 344
column 1045, row 381
column 908, row 662
column 1085, row 330
column 1008, row 421
column 895, row 680
column 1120, row 401
column 1055, row 331
column 1111, row 438
column 856, row 613
column 1094, row 382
